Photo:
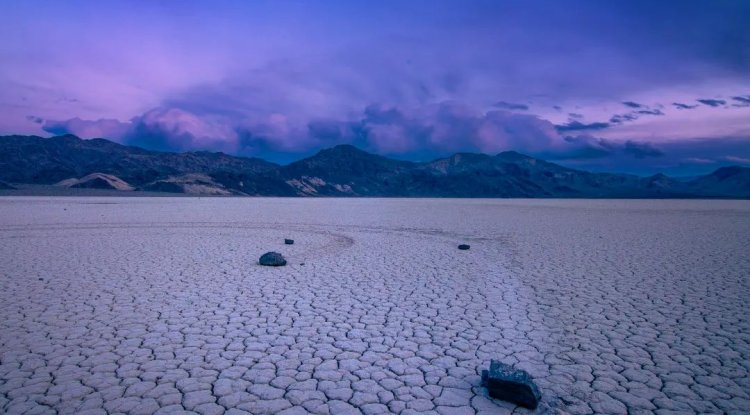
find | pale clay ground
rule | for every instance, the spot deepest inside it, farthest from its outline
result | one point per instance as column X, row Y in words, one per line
column 157, row 305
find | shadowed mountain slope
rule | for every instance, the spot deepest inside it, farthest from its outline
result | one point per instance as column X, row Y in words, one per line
column 342, row 170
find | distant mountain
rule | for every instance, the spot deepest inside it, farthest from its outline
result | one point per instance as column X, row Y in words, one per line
column 725, row 182
column 345, row 170
column 342, row 171
column 31, row 159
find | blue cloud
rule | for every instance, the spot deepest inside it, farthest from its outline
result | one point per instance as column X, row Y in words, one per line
column 511, row 106
column 681, row 106
column 712, row 102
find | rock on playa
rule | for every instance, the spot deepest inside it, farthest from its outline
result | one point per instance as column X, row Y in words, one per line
column 510, row 384
column 464, row 247
column 289, row 241
column 272, row 259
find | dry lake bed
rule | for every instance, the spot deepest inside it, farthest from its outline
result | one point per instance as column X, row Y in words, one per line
column 158, row 305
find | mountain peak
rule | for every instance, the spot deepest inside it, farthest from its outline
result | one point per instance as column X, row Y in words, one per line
column 729, row 171
column 66, row 137
column 513, row 156
column 345, row 149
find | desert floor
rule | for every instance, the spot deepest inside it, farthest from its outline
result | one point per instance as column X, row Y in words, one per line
column 158, row 305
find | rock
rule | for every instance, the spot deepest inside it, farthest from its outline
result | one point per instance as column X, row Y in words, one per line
column 510, row 384
column 289, row 241
column 272, row 259
column 464, row 247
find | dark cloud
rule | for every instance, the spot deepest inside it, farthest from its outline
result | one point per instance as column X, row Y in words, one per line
column 416, row 133
column 590, row 147
column 35, row 119
column 632, row 104
column 575, row 115
column 712, row 102
column 634, row 115
column 650, row 112
column 681, row 106
column 744, row 101
column 511, row 106
column 641, row 150
column 621, row 118
column 596, row 153
column 579, row 126
column 583, row 147
column 686, row 157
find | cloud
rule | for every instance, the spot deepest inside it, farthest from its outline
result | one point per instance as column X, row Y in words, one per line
column 415, row 132
column 712, row 102
column 173, row 129
column 579, row 126
column 681, row 106
column 584, row 147
column 164, row 129
column 632, row 104
column 621, row 118
column 587, row 147
column 735, row 159
column 650, row 112
column 634, row 115
column 699, row 160
column 511, row 106
column 449, row 126
column 744, row 101
column 641, row 150
column 108, row 128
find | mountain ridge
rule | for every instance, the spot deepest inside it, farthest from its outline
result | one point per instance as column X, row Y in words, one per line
column 341, row 171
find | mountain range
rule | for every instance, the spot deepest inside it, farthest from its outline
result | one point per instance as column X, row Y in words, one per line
column 343, row 170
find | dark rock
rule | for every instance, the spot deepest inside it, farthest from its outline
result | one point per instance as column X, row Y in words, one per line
column 510, row 384
column 289, row 241
column 272, row 259
column 464, row 247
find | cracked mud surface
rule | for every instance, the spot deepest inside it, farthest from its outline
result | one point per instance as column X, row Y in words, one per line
column 158, row 305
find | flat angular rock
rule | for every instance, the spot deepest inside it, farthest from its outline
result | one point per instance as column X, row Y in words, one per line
column 464, row 247
column 510, row 384
column 272, row 259
column 289, row 241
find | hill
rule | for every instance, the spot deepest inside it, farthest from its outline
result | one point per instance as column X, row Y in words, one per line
column 342, row 171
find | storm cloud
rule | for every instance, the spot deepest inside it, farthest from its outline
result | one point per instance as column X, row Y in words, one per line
column 412, row 79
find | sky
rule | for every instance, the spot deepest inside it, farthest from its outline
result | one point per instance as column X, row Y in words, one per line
column 626, row 86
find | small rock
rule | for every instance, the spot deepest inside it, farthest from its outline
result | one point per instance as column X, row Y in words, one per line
column 272, row 259
column 289, row 241
column 510, row 384
column 464, row 247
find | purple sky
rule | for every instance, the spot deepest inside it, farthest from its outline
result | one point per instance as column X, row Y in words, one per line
column 627, row 86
